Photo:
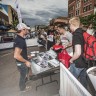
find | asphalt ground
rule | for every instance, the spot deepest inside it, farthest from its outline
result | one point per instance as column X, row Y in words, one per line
column 9, row 77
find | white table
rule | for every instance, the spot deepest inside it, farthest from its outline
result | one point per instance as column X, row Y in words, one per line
column 40, row 72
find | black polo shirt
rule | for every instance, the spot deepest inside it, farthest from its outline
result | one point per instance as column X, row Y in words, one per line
column 78, row 39
column 21, row 43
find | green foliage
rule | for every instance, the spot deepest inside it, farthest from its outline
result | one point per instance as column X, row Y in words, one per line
column 14, row 24
column 91, row 19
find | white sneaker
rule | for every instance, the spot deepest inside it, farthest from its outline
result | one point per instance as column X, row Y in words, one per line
column 28, row 88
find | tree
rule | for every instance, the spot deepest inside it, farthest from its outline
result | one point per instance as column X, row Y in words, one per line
column 94, row 21
column 84, row 21
column 91, row 19
column 14, row 24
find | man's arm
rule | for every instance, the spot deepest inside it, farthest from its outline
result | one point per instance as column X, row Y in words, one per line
column 77, row 53
column 17, row 55
column 68, row 46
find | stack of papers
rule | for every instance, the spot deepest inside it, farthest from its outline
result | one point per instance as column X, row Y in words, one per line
column 51, row 53
column 33, row 52
column 54, row 62
column 46, row 59
column 42, row 64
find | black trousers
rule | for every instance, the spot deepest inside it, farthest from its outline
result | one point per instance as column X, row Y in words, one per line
column 50, row 44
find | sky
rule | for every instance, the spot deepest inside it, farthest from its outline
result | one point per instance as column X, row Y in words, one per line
column 35, row 12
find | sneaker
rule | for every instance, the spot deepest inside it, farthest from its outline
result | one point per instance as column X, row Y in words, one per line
column 28, row 88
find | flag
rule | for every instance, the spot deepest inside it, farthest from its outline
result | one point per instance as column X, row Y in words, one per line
column 18, row 11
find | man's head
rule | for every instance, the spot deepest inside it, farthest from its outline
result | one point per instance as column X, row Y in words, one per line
column 74, row 23
column 61, row 28
column 51, row 27
column 22, row 28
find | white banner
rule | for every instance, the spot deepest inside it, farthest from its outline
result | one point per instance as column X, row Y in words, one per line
column 6, row 45
column 29, row 42
column 69, row 85
column 18, row 11
column 92, row 75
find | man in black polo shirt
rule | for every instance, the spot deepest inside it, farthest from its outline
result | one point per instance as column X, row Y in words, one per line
column 78, row 66
column 20, row 54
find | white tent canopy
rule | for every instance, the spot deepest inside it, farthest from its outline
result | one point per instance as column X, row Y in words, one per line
column 11, row 30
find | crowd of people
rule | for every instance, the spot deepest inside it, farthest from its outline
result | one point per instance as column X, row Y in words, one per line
column 70, row 36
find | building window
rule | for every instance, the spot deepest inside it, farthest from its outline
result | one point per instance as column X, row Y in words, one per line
column 77, row 12
column 84, row 9
column 71, row 15
column 71, row 8
column 95, row 9
column 90, row 7
column 87, row 8
column 86, row 1
column 77, row 4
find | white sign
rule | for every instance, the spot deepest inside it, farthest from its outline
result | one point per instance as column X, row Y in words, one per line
column 69, row 85
column 18, row 11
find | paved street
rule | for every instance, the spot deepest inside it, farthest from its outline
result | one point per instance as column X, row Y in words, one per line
column 9, row 78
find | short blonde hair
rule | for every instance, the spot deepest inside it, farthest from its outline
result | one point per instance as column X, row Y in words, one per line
column 75, row 21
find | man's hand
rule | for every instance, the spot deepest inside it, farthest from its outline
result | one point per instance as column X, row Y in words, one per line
column 77, row 53
column 29, row 57
column 28, row 64
column 51, row 48
column 71, row 61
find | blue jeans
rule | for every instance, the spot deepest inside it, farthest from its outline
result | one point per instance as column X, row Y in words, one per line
column 23, row 69
column 79, row 73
